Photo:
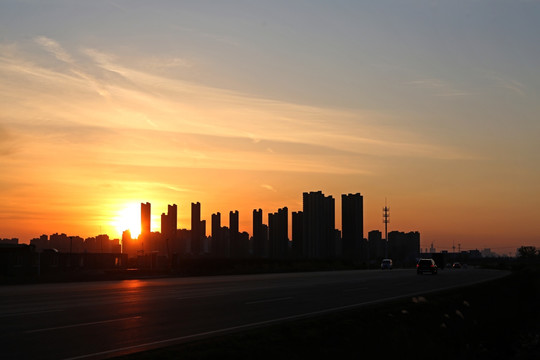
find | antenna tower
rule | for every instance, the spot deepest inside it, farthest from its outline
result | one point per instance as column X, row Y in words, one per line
column 386, row 215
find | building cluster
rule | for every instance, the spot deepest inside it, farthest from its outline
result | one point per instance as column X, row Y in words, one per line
column 314, row 234
column 76, row 244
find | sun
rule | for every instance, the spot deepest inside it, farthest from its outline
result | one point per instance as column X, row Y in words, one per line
column 129, row 218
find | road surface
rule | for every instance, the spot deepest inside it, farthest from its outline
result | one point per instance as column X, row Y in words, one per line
column 104, row 319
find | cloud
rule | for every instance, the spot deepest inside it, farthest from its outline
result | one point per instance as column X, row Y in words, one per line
column 438, row 87
column 511, row 85
column 307, row 138
column 54, row 48
column 268, row 187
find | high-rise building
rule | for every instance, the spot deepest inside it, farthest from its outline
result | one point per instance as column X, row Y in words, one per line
column 196, row 236
column 297, row 234
column 145, row 218
column 169, row 224
column 172, row 212
column 218, row 248
column 403, row 247
column 278, row 230
column 376, row 245
column 234, row 235
column 352, row 225
column 259, row 246
column 319, row 225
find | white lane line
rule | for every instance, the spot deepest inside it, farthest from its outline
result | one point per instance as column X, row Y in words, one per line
column 30, row 313
column 267, row 300
column 267, row 322
column 234, row 328
column 83, row 324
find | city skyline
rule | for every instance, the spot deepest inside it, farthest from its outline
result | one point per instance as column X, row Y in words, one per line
column 313, row 230
column 196, row 232
column 241, row 105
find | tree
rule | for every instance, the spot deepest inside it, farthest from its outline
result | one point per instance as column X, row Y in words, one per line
column 528, row 252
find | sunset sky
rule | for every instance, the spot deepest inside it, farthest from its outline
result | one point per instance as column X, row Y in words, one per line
column 432, row 105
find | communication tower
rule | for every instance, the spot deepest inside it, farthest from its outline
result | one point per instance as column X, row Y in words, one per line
column 386, row 215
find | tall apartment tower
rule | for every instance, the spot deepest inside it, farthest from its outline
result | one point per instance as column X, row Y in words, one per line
column 145, row 218
column 258, row 238
column 278, row 230
column 352, row 224
column 376, row 245
column 318, row 225
column 169, row 222
column 196, row 237
column 297, row 234
column 219, row 247
column 172, row 213
column 234, row 235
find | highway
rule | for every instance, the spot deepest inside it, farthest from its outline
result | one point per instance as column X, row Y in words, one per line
column 96, row 320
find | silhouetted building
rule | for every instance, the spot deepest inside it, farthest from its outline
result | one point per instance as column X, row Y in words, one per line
column 152, row 242
column 259, row 246
column 205, row 244
column 404, row 247
column 278, row 230
column 234, row 234
column 352, row 215
column 18, row 260
column 129, row 245
column 297, row 233
column 145, row 218
column 220, row 248
column 376, row 245
column 169, row 225
column 319, row 225
column 40, row 243
column 13, row 241
column 182, row 244
column 244, row 244
column 196, row 234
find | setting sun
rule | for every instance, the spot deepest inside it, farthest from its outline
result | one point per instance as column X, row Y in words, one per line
column 129, row 218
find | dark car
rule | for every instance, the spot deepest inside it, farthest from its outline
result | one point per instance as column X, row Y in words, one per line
column 456, row 265
column 426, row 265
column 386, row 264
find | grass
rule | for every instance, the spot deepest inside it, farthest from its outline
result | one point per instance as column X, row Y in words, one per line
column 494, row 320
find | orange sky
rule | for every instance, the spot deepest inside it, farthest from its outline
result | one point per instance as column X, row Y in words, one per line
column 251, row 108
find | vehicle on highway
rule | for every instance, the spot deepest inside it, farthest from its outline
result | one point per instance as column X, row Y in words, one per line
column 426, row 265
column 386, row 264
column 456, row 265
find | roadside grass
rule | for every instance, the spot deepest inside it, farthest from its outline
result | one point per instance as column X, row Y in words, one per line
column 499, row 319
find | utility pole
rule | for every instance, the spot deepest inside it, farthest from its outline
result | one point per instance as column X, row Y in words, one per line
column 386, row 215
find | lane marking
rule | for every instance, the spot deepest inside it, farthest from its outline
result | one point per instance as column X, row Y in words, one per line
column 83, row 324
column 267, row 300
column 182, row 339
column 30, row 313
column 185, row 338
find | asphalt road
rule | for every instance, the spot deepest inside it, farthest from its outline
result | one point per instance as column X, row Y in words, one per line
column 105, row 319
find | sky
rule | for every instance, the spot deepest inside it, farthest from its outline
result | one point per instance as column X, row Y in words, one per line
column 432, row 106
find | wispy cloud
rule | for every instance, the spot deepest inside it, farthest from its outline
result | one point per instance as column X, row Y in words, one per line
column 438, row 87
column 54, row 48
column 302, row 138
column 268, row 187
column 511, row 85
